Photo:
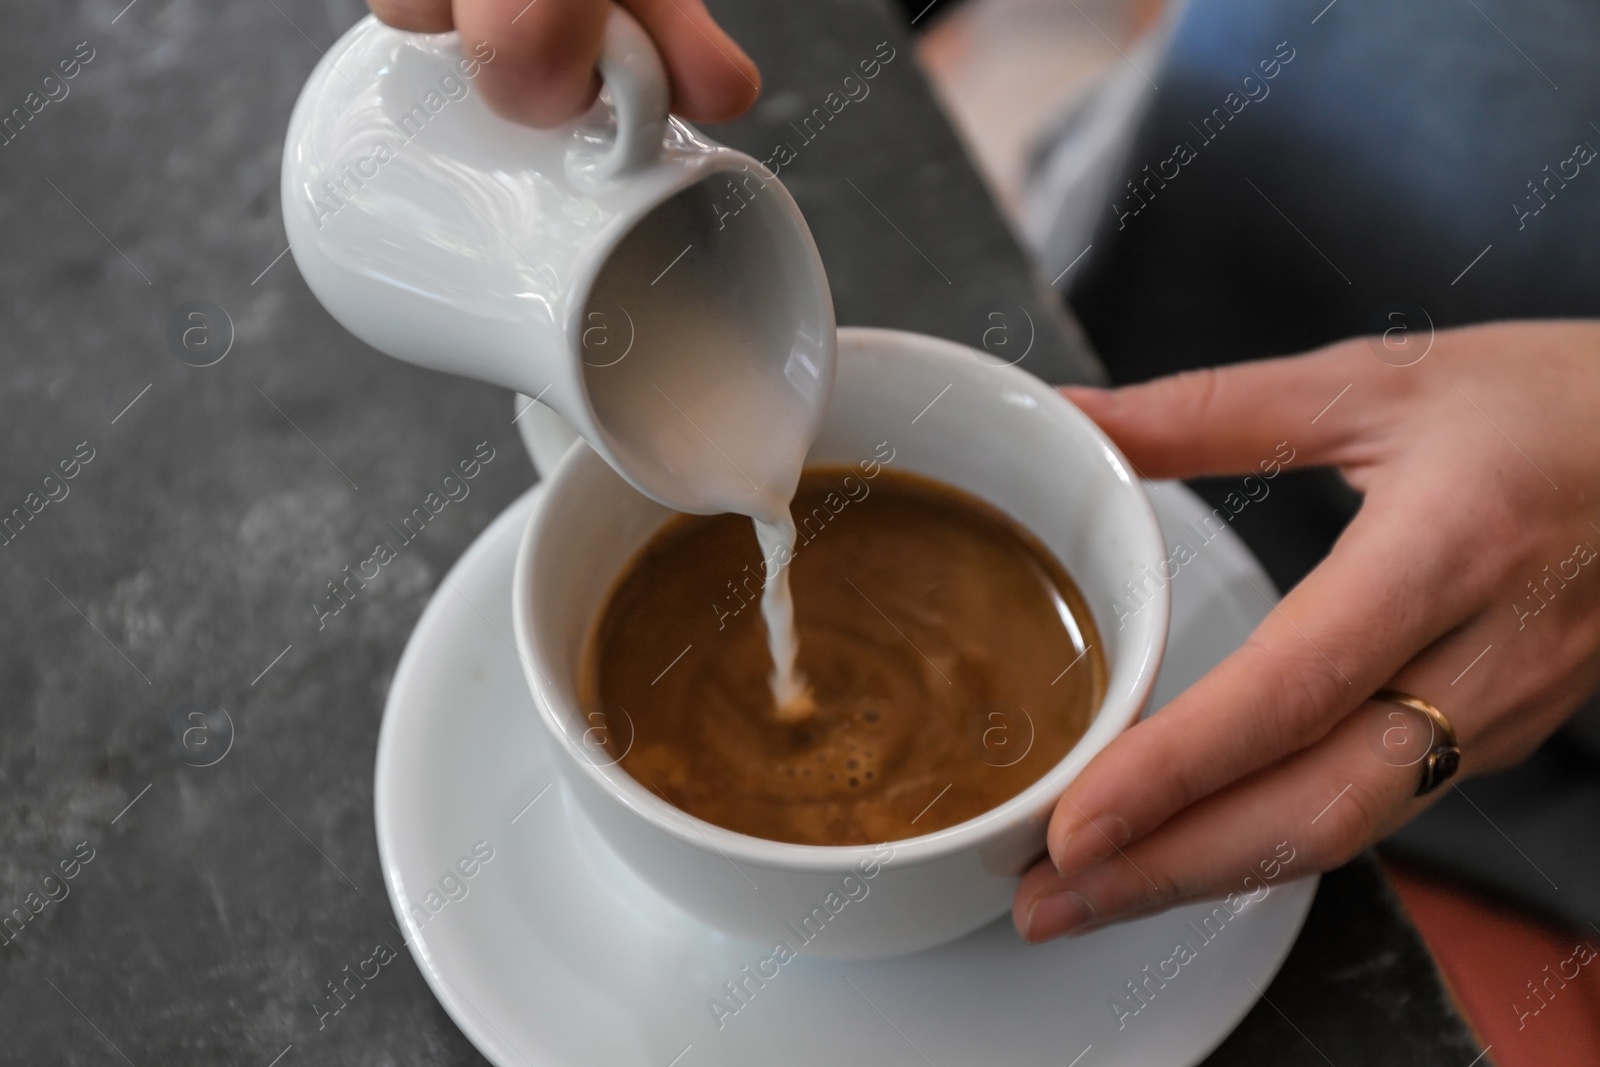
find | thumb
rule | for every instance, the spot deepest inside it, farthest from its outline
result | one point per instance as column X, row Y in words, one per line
column 1229, row 420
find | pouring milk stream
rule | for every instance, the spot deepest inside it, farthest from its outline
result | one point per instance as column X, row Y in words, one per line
column 658, row 291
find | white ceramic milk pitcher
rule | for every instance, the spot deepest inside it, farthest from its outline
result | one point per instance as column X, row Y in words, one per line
column 659, row 291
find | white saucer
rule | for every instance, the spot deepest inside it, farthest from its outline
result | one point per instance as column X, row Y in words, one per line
column 558, row 955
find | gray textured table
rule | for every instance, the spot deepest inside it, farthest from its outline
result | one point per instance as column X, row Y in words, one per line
column 158, row 603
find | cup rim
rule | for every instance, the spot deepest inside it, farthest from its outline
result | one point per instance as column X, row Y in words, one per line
column 969, row 834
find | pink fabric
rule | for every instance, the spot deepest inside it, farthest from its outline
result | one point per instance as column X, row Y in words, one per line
column 1529, row 988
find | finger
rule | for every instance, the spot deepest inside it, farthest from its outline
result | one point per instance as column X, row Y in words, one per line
column 1389, row 589
column 1307, row 814
column 417, row 16
column 712, row 78
column 1241, row 419
column 541, row 71
column 1503, row 689
column 1372, row 760
column 545, row 53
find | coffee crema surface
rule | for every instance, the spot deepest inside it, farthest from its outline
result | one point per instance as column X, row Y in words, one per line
column 951, row 660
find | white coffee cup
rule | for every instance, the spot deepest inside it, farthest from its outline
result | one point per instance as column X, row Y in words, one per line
column 937, row 409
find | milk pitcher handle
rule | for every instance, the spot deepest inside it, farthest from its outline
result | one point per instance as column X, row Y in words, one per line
column 631, row 68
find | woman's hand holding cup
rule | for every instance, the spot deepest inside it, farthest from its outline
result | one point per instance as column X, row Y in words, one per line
column 1469, row 578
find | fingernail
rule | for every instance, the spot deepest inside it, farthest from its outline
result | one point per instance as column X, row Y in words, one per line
column 1053, row 916
column 1091, row 842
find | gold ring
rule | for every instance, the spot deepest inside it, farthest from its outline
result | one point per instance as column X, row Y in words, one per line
column 1444, row 757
